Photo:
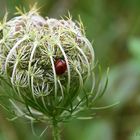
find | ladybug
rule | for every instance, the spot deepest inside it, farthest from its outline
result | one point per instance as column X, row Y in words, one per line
column 60, row 66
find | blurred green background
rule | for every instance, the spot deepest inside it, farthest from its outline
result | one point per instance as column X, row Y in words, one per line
column 114, row 28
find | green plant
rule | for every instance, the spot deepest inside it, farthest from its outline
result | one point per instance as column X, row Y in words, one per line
column 39, row 88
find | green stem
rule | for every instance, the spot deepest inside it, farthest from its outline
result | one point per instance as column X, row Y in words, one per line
column 56, row 131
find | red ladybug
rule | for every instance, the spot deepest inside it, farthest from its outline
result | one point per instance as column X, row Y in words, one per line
column 60, row 66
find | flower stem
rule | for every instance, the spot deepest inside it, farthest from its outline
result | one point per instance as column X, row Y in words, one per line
column 56, row 131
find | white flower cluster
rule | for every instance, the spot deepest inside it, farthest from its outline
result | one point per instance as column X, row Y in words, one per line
column 33, row 50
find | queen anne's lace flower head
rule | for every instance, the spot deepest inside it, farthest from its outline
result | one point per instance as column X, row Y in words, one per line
column 49, row 57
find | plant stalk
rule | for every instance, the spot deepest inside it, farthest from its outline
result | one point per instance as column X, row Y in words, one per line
column 56, row 131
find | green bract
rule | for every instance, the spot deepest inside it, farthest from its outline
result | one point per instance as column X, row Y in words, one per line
column 29, row 47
